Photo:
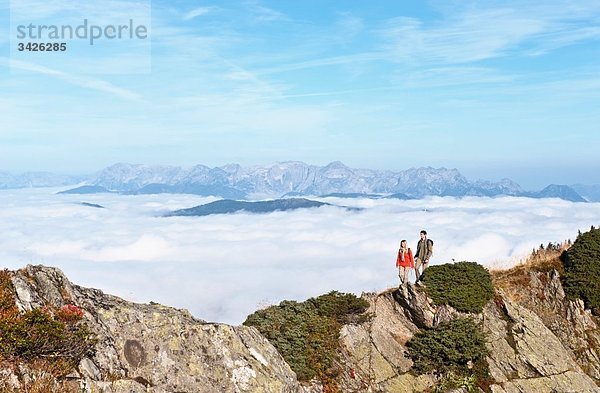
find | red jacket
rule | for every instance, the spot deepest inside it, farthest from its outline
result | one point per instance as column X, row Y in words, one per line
column 405, row 259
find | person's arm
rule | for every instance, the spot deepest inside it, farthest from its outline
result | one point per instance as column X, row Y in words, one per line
column 429, row 250
column 411, row 259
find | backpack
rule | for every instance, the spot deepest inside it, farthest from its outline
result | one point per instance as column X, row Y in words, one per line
column 430, row 245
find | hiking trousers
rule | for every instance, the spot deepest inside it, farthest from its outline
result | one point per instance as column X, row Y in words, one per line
column 418, row 264
column 403, row 274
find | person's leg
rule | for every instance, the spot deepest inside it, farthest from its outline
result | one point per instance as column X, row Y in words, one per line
column 424, row 266
column 404, row 270
column 404, row 284
column 400, row 275
column 417, row 268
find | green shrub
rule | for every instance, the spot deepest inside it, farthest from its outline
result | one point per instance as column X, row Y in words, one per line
column 52, row 338
column 466, row 286
column 306, row 334
column 344, row 307
column 582, row 269
column 456, row 348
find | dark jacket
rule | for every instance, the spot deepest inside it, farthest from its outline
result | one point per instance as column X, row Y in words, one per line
column 428, row 250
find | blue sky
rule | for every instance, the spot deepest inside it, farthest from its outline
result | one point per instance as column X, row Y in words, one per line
column 495, row 89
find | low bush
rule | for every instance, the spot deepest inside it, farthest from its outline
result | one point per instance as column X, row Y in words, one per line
column 582, row 269
column 453, row 351
column 55, row 337
column 345, row 308
column 306, row 334
column 466, row 286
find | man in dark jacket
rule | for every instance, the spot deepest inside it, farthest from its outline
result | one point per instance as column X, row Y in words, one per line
column 424, row 251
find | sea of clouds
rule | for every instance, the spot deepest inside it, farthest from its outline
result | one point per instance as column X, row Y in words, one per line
column 224, row 267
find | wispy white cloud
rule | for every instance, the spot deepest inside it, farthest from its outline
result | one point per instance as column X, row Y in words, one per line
column 451, row 76
column 565, row 35
column 223, row 267
column 260, row 13
column 470, row 37
column 341, row 92
column 84, row 82
column 326, row 61
column 484, row 32
column 348, row 26
column 196, row 12
column 461, row 36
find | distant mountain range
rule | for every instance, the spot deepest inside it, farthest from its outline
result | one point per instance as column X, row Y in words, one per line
column 292, row 179
column 589, row 192
column 557, row 191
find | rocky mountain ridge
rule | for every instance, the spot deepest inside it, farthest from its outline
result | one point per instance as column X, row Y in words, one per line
column 539, row 341
column 283, row 178
column 297, row 177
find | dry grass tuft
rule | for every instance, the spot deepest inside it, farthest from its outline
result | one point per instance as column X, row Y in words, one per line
column 543, row 260
column 45, row 384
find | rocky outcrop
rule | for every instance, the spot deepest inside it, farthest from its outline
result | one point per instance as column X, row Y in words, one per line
column 152, row 348
column 575, row 327
column 525, row 355
column 375, row 351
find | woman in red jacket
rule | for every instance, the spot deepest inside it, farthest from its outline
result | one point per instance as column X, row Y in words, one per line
column 404, row 262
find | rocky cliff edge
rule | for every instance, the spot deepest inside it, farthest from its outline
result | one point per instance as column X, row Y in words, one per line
column 153, row 348
column 539, row 341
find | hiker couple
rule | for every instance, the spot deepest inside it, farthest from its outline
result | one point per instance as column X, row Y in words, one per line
column 405, row 260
